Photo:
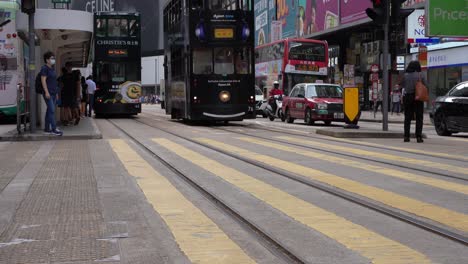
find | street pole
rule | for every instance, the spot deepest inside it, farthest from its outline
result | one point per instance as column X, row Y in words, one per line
column 32, row 71
column 385, row 68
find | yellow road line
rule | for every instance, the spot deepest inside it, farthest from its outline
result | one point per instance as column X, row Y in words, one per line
column 416, row 151
column 436, row 213
column 369, row 244
column 373, row 154
column 364, row 166
column 199, row 238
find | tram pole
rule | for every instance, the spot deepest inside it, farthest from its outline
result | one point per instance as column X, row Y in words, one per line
column 31, row 74
column 385, row 67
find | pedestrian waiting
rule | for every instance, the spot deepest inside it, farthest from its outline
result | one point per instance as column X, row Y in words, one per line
column 413, row 106
column 50, row 93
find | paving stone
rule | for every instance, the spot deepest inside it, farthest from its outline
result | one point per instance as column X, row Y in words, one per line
column 12, row 164
column 60, row 218
column 85, row 250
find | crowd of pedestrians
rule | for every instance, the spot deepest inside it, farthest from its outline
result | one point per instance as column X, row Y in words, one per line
column 70, row 92
column 150, row 99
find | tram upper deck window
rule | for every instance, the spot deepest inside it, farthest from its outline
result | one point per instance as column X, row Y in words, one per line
column 101, row 28
column 229, row 4
column 196, row 4
column 133, row 28
column 224, row 61
column 117, row 27
column 202, row 61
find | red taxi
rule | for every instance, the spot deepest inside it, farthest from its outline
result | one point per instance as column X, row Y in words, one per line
column 314, row 102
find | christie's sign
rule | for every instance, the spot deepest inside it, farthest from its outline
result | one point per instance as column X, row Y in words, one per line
column 118, row 42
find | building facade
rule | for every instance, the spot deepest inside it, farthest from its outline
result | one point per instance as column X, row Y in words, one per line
column 150, row 10
column 356, row 42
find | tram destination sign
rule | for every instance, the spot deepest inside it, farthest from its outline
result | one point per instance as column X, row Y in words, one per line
column 447, row 18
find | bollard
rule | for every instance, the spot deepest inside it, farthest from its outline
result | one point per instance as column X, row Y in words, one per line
column 351, row 107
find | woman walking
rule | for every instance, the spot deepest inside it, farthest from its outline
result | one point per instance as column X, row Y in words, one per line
column 412, row 106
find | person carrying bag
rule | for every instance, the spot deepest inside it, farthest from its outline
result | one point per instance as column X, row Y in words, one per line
column 416, row 94
column 421, row 92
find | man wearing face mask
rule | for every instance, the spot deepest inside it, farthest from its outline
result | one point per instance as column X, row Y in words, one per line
column 50, row 86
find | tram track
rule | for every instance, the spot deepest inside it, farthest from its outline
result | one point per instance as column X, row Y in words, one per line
column 274, row 246
column 277, row 140
column 314, row 136
column 311, row 136
column 433, row 228
column 323, row 138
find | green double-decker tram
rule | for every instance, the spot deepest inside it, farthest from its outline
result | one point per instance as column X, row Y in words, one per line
column 117, row 63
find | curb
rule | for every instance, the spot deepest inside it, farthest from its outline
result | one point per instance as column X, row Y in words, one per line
column 355, row 133
column 13, row 136
column 390, row 121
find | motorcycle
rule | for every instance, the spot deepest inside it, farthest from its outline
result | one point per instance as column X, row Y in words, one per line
column 268, row 110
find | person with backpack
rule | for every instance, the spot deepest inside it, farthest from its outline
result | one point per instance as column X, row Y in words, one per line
column 49, row 85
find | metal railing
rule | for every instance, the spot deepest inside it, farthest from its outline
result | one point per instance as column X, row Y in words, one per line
column 22, row 113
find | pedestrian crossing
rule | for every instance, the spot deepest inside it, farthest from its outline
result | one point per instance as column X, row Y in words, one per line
column 369, row 244
column 198, row 237
column 379, row 155
column 450, row 186
column 410, row 150
column 184, row 219
column 438, row 214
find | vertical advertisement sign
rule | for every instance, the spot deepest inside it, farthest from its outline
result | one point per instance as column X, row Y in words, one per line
column 423, row 56
column 353, row 10
column 276, row 30
column 316, row 15
column 261, row 22
column 286, row 13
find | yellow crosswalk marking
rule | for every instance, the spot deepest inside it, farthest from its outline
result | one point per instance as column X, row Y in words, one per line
column 442, row 215
column 373, row 154
column 415, row 151
column 369, row 244
column 199, row 238
column 364, row 166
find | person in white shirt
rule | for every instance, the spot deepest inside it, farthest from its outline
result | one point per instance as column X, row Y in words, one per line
column 91, row 89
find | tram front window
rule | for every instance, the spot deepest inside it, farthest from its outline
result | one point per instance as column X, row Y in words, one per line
column 202, row 61
column 224, row 61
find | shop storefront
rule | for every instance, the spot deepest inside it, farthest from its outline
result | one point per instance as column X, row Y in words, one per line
column 446, row 68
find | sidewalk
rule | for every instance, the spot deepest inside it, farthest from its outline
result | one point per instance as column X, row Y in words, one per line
column 86, row 129
column 368, row 116
column 71, row 202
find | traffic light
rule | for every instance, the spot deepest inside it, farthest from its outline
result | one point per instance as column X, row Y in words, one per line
column 379, row 11
column 399, row 14
column 28, row 6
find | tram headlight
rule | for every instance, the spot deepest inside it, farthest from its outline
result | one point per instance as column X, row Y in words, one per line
column 224, row 96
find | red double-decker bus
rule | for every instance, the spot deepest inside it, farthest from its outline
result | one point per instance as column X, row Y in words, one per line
column 291, row 61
